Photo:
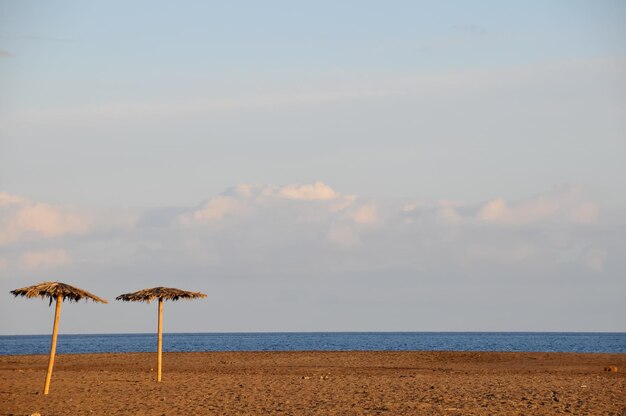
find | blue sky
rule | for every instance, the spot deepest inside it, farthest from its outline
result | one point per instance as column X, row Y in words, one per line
column 359, row 164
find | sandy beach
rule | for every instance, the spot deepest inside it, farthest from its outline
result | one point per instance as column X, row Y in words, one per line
column 317, row 383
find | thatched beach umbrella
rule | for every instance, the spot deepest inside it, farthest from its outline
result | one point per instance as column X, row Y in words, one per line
column 160, row 293
column 59, row 292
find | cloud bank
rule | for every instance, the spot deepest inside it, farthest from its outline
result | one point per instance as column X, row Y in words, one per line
column 25, row 220
column 330, row 248
column 268, row 221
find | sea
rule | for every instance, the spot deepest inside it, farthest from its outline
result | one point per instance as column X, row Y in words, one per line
column 580, row 342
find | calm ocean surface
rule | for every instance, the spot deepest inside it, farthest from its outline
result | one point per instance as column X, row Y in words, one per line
column 322, row 341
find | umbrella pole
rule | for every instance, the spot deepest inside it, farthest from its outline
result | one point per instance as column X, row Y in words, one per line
column 53, row 345
column 160, row 341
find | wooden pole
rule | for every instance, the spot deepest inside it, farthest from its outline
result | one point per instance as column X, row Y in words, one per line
column 160, row 346
column 53, row 345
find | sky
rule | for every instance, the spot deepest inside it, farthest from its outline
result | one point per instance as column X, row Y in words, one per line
column 315, row 166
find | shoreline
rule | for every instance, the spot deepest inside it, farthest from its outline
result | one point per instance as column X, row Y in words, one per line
column 321, row 341
column 66, row 354
column 317, row 383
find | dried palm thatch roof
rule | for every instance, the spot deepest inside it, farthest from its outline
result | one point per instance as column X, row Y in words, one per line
column 54, row 289
column 168, row 293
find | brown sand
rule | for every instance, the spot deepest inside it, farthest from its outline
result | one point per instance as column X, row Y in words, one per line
column 317, row 383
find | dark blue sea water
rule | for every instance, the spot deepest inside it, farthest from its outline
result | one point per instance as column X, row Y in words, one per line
column 322, row 341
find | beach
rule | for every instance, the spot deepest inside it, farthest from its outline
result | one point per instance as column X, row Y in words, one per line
column 317, row 383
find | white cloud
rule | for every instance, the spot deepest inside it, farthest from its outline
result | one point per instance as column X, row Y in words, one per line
column 217, row 209
column 48, row 221
column 246, row 199
column 447, row 212
column 365, row 214
column 8, row 199
column 22, row 219
column 342, row 203
column 44, row 259
column 308, row 192
column 562, row 204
